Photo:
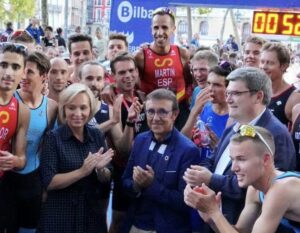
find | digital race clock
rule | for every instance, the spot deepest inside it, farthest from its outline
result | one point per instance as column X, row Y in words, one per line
column 276, row 23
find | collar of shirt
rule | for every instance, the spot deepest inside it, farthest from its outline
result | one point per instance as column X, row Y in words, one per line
column 166, row 140
column 253, row 122
column 68, row 134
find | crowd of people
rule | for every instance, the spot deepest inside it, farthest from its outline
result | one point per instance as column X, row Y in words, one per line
column 183, row 142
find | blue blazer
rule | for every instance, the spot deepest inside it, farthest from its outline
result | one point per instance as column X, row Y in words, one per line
column 232, row 195
column 164, row 197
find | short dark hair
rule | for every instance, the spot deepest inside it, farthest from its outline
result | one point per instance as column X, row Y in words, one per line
column 221, row 72
column 11, row 48
column 59, row 31
column 9, row 24
column 118, row 36
column 92, row 63
column 41, row 61
column 164, row 94
column 49, row 28
column 121, row 56
column 79, row 38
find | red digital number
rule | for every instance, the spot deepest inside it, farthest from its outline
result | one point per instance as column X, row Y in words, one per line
column 297, row 26
column 259, row 22
column 287, row 23
column 272, row 23
column 280, row 23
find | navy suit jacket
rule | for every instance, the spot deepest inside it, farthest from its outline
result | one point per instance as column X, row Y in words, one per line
column 164, row 197
column 232, row 195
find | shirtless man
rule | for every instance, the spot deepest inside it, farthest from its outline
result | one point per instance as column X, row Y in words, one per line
column 268, row 204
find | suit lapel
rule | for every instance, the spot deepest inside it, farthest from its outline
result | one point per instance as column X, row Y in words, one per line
column 145, row 149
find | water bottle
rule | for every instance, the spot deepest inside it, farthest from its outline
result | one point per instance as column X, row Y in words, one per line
column 204, row 139
column 204, row 134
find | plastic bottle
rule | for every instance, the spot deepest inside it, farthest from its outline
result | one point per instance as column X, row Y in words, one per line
column 204, row 139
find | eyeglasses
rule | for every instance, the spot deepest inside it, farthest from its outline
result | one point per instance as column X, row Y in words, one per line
column 162, row 113
column 237, row 93
column 19, row 48
column 164, row 11
column 249, row 131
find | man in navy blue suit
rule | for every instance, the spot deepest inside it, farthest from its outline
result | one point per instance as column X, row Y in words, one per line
column 154, row 173
column 248, row 93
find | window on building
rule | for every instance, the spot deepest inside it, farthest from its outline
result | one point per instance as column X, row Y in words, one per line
column 98, row 2
column 97, row 15
column 246, row 31
column 107, row 13
column 203, row 28
column 182, row 27
column 108, row 2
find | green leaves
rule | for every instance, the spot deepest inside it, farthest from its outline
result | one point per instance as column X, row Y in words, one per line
column 16, row 10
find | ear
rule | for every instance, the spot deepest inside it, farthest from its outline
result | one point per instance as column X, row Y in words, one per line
column 284, row 67
column 175, row 114
column 267, row 158
column 173, row 29
column 260, row 96
column 45, row 77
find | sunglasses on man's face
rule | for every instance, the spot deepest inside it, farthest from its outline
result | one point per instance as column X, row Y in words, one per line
column 164, row 11
column 20, row 47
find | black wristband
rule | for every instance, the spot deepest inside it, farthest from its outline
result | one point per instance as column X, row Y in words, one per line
column 130, row 124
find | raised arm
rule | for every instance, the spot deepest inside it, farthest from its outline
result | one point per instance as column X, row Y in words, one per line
column 201, row 100
column 114, row 116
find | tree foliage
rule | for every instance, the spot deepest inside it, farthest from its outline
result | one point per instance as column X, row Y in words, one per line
column 204, row 11
column 16, row 10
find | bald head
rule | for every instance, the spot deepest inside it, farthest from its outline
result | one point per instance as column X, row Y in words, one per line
column 58, row 61
column 58, row 75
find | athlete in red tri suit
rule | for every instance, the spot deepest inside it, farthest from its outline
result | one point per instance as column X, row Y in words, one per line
column 8, row 126
column 14, row 120
column 161, row 65
column 163, row 71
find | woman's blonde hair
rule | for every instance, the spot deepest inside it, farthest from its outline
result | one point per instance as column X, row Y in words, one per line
column 68, row 94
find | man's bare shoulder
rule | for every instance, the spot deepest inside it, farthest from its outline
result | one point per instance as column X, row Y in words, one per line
column 185, row 54
column 139, row 54
column 52, row 104
column 24, row 112
column 286, row 190
column 52, row 110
